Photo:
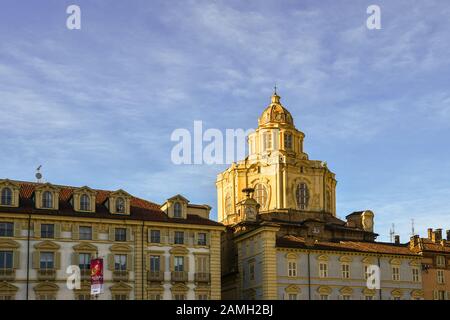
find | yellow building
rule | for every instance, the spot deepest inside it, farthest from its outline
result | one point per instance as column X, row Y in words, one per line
column 150, row 251
column 283, row 238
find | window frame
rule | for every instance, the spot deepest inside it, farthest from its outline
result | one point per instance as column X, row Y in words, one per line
column 323, row 272
column 6, row 229
column 47, row 264
column 47, row 200
column 120, row 237
column 80, row 237
column 152, row 235
column 302, row 195
column 85, row 202
column 6, row 197
column 177, row 210
column 4, row 255
column 45, row 232
column 177, row 239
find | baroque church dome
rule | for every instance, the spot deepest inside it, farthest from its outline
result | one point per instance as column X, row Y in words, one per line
column 275, row 113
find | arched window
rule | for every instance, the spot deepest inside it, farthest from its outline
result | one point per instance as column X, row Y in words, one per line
column 228, row 204
column 6, row 198
column 120, row 205
column 267, row 140
column 85, row 203
column 177, row 213
column 261, row 195
column 302, row 195
column 287, row 140
column 47, row 200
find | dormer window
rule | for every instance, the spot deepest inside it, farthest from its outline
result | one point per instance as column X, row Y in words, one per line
column 120, row 205
column 47, row 200
column 85, row 203
column 177, row 210
column 6, row 197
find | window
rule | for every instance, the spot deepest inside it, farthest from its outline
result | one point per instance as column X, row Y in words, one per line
column 155, row 296
column 4, row 297
column 177, row 212
column 288, row 141
column 292, row 296
column 345, row 268
column 155, row 236
column 202, row 296
column 323, row 270
column 178, row 263
column 202, row 264
column 346, row 297
column 179, row 237
column 47, row 260
column 85, row 233
column 267, row 141
column 251, row 271
column 120, row 262
column 440, row 261
column 201, row 241
column 85, row 203
column 120, row 297
column 120, row 205
column 368, row 297
column 47, row 200
column 397, row 298
column 46, row 296
column 84, row 296
column 179, row 296
column 302, row 195
column 84, row 261
column 6, row 197
column 440, row 276
column 6, row 260
column 415, row 274
column 47, row 231
column 292, row 268
column 323, row 297
column 155, row 263
column 121, row 234
column 440, row 295
column 261, row 194
column 366, row 272
column 396, row 273
column 228, row 204
column 6, row 229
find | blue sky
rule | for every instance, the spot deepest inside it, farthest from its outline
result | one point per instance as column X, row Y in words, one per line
column 97, row 106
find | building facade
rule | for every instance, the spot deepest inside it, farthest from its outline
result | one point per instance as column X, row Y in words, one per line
column 283, row 238
column 435, row 253
column 149, row 251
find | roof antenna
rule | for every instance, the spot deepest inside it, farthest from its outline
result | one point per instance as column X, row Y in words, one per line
column 413, row 233
column 392, row 232
column 38, row 174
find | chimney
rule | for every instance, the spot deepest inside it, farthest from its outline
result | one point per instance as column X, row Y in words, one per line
column 448, row 235
column 430, row 233
column 397, row 239
column 437, row 235
column 414, row 241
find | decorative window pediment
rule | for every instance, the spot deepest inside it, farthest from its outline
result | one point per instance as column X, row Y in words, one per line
column 119, row 202
column 120, row 287
column 46, row 196
column 46, row 245
column 179, row 287
column 397, row 293
column 324, row 290
column 292, row 289
column 7, row 287
column 346, row 290
column 368, row 260
column 345, row 259
column 179, row 250
column 46, row 287
column 9, row 193
column 83, row 199
column 84, row 247
column 120, row 248
column 9, row 244
column 395, row 261
column 291, row 256
column 369, row 292
column 417, row 293
column 322, row 258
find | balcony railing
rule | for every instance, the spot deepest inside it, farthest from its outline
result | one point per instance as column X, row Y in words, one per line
column 7, row 274
column 120, row 275
column 155, row 276
column 179, row 276
column 202, row 277
column 46, row 274
column 85, row 274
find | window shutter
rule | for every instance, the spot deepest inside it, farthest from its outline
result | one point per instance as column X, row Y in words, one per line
column 171, row 265
column 37, row 229
column 186, row 263
column 129, row 230
column 149, row 236
column 57, row 230
column 171, row 237
column 75, row 232
column 17, row 229
column 57, row 260
column 35, row 258
column 94, row 232
column 16, row 257
column 75, row 258
column 112, row 233
column 110, row 262
column 446, row 295
column 163, row 262
column 130, row 262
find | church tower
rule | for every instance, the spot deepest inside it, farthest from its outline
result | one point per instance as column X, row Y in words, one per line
column 287, row 185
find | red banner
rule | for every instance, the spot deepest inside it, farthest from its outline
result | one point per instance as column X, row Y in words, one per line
column 96, row 276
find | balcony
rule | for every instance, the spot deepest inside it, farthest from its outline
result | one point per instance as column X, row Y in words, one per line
column 179, row 276
column 120, row 275
column 202, row 277
column 156, row 276
column 7, row 274
column 85, row 274
column 46, row 274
